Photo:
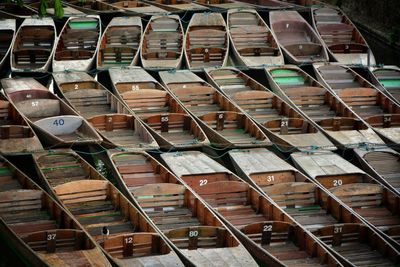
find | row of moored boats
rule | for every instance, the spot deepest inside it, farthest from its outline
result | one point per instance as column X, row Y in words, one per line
column 186, row 137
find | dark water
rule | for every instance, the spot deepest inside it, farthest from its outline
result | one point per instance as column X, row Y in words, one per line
column 384, row 53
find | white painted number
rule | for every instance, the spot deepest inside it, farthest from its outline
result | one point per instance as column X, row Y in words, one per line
column 193, row 233
column 59, row 122
column 270, row 178
column 337, row 182
column 220, row 116
column 164, row 119
column 135, row 87
column 387, row 119
column 28, row 96
column 128, row 240
column 76, row 86
column 337, row 230
column 267, row 228
column 284, row 123
column 51, row 237
column 35, row 103
column 203, row 182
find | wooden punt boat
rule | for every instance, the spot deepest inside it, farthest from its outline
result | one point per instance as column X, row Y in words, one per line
column 335, row 118
column 13, row 10
column 373, row 202
column 162, row 43
column 387, row 79
column 7, row 33
column 104, row 111
column 42, row 232
column 367, row 102
column 120, row 43
column 306, row 202
column 299, row 43
column 175, row 210
column 139, row 7
column 177, row 5
column 34, row 45
column 16, row 136
column 343, row 41
column 169, row 123
column 68, row 10
column 382, row 164
column 95, row 7
column 99, row 206
column 284, row 125
column 223, row 5
column 256, row 221
column 219, row 118
column 55, row 123
column 77, row 44
column 253, row 43
column 206, row 41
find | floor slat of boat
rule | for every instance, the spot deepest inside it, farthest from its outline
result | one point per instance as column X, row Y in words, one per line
column 167, row 260
column 379, row 216
column 241, row 215
column 125, row 137
column 94, row 215
column 230, row 256
column 387, row 165
column 173, row 217
column 361, row 254
column 89, row 257
column 291, row 255
column 62, row 168
column 7, row 181
column 311, row 217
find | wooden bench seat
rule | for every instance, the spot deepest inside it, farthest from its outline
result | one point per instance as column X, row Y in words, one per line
column 232, row 201
column 312, row 101
column 207, row 237
column 89, row 101
column 137, row 170
column 146, row 103
column 233, row 126
column 142, row 245
column 199, row 99
column 60, row 240
column 179, row 129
